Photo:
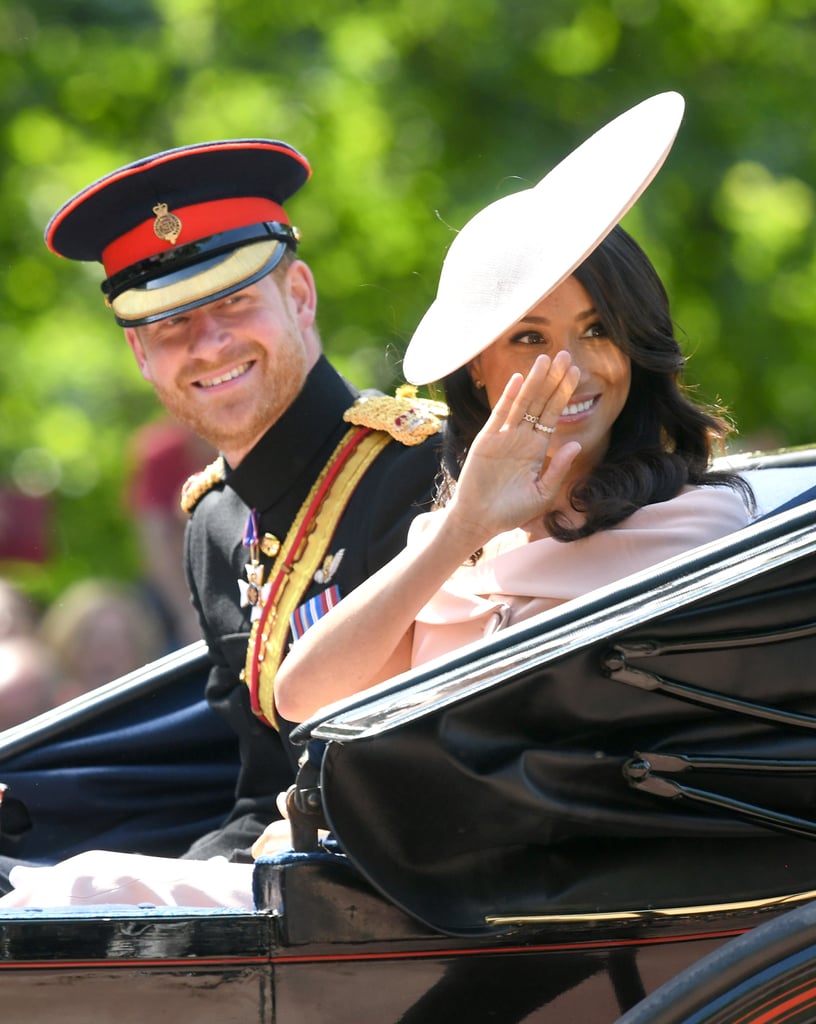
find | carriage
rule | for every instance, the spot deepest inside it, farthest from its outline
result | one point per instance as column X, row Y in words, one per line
column 603, row 814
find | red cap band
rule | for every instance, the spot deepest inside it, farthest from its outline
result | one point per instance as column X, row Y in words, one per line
column 198, row 221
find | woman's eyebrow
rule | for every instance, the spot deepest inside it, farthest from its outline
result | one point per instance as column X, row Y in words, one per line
column 532, row 319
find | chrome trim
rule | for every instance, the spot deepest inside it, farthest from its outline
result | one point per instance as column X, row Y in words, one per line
column 569, row 628
column 656, row 914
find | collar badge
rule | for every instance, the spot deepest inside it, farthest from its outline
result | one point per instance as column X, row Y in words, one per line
column 331, row 563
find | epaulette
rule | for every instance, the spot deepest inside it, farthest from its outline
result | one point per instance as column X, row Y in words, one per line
column 196, row 486
column 405, row 417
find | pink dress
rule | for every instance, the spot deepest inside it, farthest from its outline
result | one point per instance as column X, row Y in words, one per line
column 513, row 580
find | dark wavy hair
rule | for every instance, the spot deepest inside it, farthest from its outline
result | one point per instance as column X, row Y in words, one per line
column 660, row 442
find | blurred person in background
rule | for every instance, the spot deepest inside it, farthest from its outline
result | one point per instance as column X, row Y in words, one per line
column 29, row 675
column 18, row 613
column 163, row 455
column 99, row 630
column 29, row 679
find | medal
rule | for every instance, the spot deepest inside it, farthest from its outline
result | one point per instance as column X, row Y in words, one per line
column 270, row 545
column 253, row 591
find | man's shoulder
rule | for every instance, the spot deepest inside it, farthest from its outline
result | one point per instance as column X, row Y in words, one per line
column 400, row 483
column 404, row 416
column 201, row 483
column 408, row 465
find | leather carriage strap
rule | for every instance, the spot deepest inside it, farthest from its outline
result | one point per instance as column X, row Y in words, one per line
column 706, row 698
column 645, row 772
column 618, row 665
column 300, row 556
column 655, row 646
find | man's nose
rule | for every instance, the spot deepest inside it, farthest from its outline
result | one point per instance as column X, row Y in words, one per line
column 209, row 333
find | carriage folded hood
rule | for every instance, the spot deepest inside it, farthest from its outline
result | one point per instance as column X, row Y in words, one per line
column 652, row 747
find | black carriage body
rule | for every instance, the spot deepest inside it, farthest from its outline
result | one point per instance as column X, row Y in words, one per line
column 336, row 950
column 539, row 829
column 629, row 758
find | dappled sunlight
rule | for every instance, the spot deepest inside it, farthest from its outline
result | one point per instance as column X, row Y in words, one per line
column 768, row 215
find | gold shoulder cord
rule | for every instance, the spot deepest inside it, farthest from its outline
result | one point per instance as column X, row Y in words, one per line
column 198, row 484
column 299, row 558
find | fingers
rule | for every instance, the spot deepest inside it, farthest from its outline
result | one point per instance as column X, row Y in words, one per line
column 556, row 468
column 541, row 398
column 275, row 837
column 276, row 830
column 502, row 410
column 281, row 802
column 551, row 387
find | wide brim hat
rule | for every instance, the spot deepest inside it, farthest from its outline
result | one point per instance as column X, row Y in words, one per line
column 184, row 227
column 515, row 251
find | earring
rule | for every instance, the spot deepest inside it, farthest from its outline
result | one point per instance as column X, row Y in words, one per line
column 478, row 384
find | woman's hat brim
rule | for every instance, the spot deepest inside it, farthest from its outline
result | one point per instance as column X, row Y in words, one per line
column 515, row 251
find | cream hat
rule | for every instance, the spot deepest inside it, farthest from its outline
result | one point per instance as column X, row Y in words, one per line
column 515, row 251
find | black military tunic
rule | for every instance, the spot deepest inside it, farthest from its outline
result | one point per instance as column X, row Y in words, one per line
column 274, row 479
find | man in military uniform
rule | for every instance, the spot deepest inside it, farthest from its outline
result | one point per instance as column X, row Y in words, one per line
column 303, row 504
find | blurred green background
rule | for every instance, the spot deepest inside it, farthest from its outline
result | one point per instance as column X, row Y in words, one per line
column 414, row 114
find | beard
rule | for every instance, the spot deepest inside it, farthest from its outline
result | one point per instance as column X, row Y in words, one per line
column 233, row 425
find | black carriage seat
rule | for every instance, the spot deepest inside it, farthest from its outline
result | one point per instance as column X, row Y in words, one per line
column 650, row 745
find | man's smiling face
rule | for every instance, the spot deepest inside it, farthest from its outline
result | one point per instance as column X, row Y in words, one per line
column 230, row 369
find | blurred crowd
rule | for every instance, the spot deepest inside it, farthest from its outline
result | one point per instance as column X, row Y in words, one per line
column 99, row 629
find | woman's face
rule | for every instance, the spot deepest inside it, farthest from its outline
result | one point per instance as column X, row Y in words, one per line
column 565, row 320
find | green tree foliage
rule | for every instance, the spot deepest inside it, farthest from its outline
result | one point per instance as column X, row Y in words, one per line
column 414, row 115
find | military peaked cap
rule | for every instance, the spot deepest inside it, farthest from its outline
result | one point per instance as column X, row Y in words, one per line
column 184, row 227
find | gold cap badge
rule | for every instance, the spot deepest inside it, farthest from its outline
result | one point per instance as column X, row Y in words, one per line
column 167, row 226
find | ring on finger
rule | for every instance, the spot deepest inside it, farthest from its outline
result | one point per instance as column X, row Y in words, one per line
column 543, row 428
column 529, row 418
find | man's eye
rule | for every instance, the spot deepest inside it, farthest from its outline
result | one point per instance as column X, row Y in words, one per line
column 173, row 321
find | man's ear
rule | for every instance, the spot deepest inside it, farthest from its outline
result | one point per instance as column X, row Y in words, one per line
column 136, row 347
column 300, row 286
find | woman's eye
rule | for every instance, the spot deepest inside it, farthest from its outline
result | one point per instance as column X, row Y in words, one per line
column 528, row 338
column 596, row 330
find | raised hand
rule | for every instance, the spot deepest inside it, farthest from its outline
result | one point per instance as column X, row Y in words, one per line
column 515, row 469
